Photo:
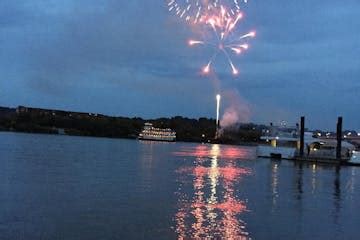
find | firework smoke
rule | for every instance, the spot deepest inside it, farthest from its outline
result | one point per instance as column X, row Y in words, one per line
column 238, row 110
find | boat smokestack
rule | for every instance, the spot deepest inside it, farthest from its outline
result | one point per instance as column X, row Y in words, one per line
column 339, row 137
column 302, row 136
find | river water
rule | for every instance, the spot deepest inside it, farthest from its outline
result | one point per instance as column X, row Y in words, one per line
column 61, row 187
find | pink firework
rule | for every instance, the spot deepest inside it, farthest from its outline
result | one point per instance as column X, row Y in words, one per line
column 223, row 25
column 195, row 10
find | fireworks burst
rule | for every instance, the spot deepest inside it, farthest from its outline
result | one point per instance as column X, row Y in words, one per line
column 223, row 25
column 195, row 10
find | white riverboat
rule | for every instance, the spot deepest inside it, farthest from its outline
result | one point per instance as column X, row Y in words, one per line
column 157, row 134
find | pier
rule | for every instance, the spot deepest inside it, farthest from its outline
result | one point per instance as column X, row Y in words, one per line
column 306, row 148
column 343, row 150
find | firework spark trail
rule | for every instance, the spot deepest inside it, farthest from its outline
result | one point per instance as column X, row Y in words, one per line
column 223, row 26
column 195, row 10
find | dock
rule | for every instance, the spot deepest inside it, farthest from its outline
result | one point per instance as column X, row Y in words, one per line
column 355, row 161
column 339, row 158
column 326, row 151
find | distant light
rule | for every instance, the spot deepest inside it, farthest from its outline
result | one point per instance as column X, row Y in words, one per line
column 349, row 133
column 218, row 97
column 359, row 134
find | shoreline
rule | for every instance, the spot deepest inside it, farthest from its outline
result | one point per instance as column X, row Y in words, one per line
column 246, row 144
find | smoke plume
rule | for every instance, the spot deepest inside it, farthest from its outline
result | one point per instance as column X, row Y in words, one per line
column 237, row 110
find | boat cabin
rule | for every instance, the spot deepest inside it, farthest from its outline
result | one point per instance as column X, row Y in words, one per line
column 327, row 149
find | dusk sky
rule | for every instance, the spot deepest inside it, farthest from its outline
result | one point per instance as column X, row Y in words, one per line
column 130, row 58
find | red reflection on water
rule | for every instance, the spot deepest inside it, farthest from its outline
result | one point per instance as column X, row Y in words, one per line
column 225, row 152
column 228, row 173
column 230, row 205
column 234, row 152
column 212, row 209
column 232, row 173
column 199, row 171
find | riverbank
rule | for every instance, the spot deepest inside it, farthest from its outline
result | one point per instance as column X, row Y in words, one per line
column 48, row 121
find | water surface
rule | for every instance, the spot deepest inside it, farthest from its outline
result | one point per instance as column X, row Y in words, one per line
column 61, row 187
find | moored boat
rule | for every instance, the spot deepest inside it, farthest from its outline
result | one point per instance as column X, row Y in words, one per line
column 279, row 142
column 157, row 134
column 284, row 143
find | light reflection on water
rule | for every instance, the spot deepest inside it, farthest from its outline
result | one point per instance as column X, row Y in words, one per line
column 61, row 187
column 274, row 184
column 212, row 209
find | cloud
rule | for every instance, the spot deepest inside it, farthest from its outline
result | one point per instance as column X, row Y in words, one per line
column 304, row 57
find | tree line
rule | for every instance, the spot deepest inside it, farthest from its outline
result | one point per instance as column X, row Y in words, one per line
column 83, row 124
